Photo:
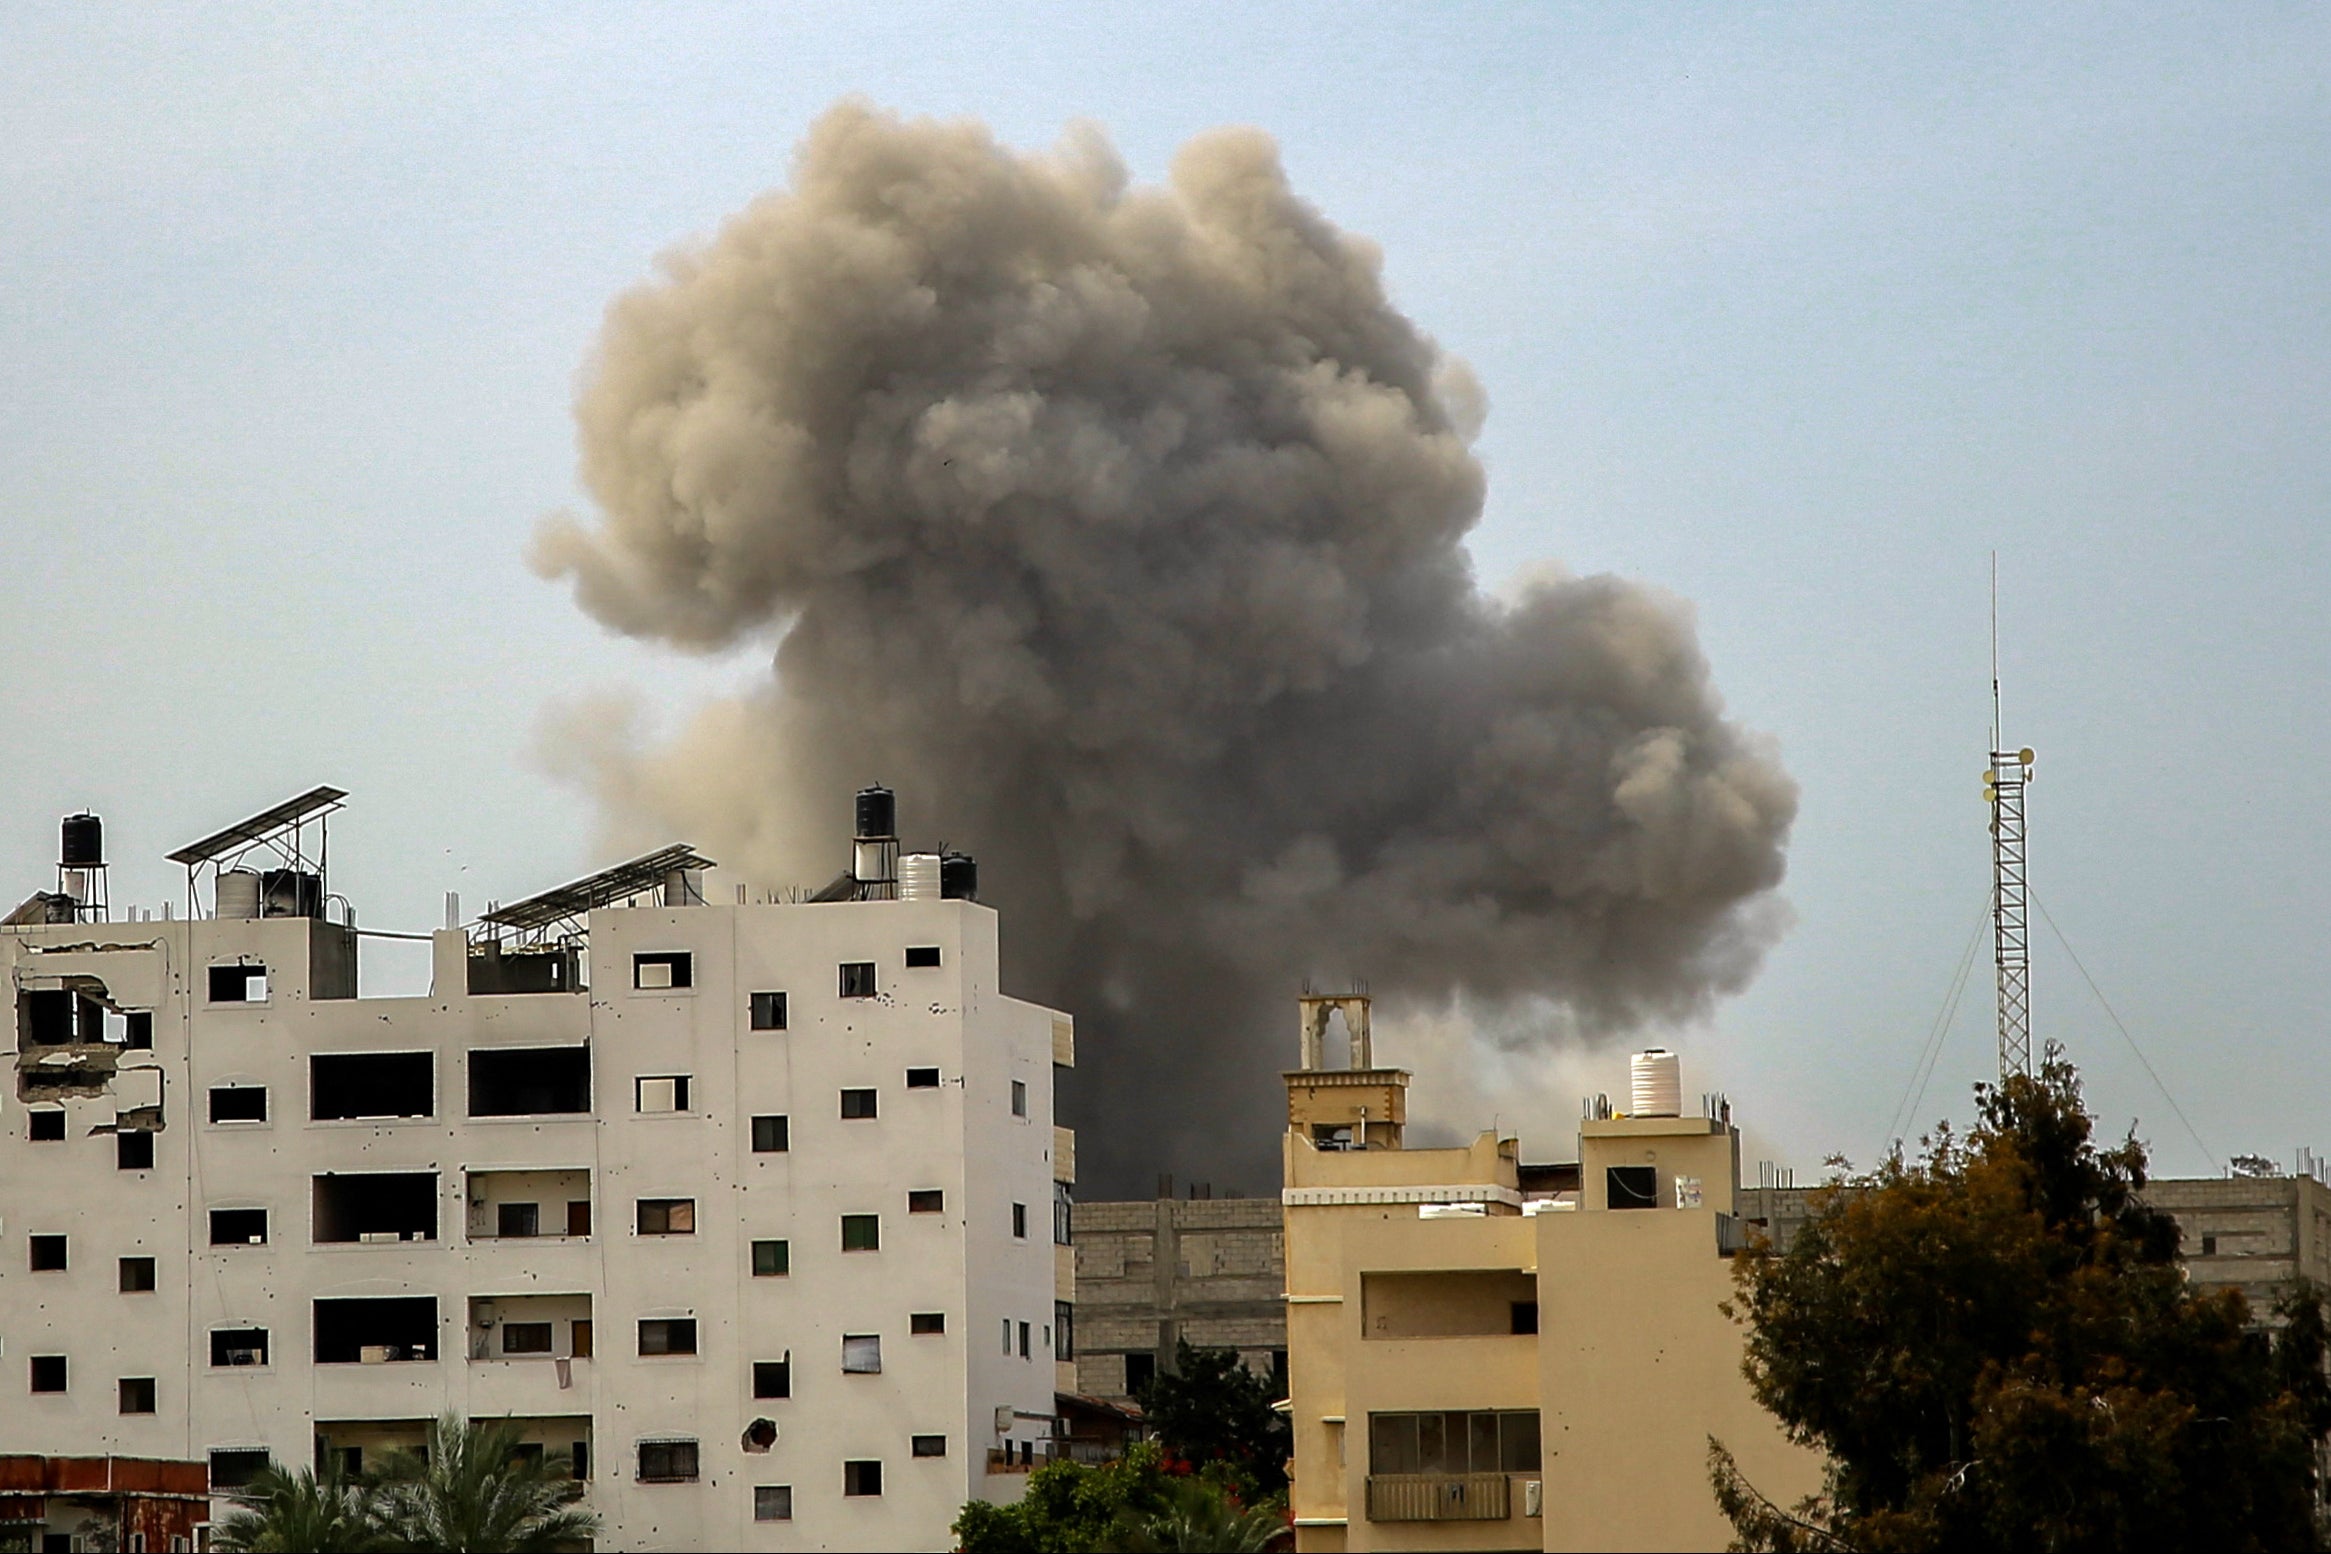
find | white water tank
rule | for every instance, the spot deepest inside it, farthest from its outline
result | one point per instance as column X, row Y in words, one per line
column 238, row 895
column 1658, row 1084
column 918, row 877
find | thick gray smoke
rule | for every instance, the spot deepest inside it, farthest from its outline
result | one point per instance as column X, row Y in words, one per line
column 1120, row 529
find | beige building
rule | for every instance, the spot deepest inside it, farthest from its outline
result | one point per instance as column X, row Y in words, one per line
column 1480, row 1359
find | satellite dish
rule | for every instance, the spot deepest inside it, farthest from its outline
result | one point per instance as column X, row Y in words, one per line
column 2024, row 755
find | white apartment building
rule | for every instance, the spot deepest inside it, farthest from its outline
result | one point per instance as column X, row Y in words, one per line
column 746, row 1210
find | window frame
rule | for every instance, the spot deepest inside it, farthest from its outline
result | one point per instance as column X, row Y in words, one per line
column 862, row 1096
column 668, row 1329
column 777, row 1127
column 643, row 1208
column 858, row 979
column 678, row 966
column 678, row 1462
column 862, row 1223
column 782, row 1256
column 765, row 1011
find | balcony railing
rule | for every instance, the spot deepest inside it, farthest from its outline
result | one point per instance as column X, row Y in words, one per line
column 1439, row 1497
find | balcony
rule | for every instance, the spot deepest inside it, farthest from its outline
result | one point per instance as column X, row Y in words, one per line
column 1439, row 1497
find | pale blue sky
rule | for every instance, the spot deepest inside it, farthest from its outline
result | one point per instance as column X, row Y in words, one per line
column 1796, row 311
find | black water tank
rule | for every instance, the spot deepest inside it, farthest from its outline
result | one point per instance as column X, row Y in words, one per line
column 83, row 843
column 877, row 812
column 291, row 893
column 958, row 877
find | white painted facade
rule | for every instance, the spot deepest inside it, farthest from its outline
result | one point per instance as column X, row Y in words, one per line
column 966, row 1261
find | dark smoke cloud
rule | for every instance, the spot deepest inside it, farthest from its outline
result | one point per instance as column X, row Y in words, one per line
column 1120, row 529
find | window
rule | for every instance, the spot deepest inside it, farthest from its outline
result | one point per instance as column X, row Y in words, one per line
column 1140, row 1371
column 517, row 1219
column 772, row 1259
column 922, row 1079
column 48, row 1254
column 1019, row 1098
column 347, row 1085
column 1020, row 1221
column 857, row 1104
column 858, row 979
column 374, row 1206
column 134, row 1150
column 922, row 955
column 580, row 1329
column 861, row 1232
column 1525, row 1316
column 232, row 1468
column 772, row 1502
column 529, row 1081
column 1007, row 1335
column 238, row 1227
column 2209, row 1246
column 1632, row 1187
column 930, row 1446
column 926, row 1200
column 862, row 1354
column 238, row 984
column 667, row 1216
column 662, row 1093
column 579, row 1461
column 772, row 1378
column 578, row 1216
column 137, row 1394
column 375, row 1330
column 667, row 1462
column 526, row 1338
column 1063, row 1214
column 137, row 1275
column 768, row 1011
column 48, row 1373
column 138, row 1032
column 238, row 1346
column 667, row 1335
column 238, row 1103
column 1063, row 1330
column 48, row 1125
column 925, row 1322
column 1023, row 1340
column 1485, row 1441
column 861, row 1478
column 660, row 973
column 770, row 1136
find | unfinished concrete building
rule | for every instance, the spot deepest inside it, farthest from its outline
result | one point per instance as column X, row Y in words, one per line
column 1150, row 1273
column 793, row 1161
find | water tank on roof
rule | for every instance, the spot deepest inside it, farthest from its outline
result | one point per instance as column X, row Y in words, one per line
column 238, row 895
column 82, row 844
column 292, row 893
column 959, row 877
column 877, row 813
column 919, row 877
column 1658, row 1084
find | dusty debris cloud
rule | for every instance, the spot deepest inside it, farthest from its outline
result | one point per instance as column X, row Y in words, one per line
column 1121, row 530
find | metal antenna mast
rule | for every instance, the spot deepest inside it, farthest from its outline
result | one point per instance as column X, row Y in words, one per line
column 2003, row 785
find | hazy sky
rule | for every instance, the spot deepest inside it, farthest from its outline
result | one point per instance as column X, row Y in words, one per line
column 1798, row 312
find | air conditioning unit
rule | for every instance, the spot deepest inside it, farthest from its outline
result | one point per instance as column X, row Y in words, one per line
column 246, row 1357
column 1533, row 1497
column 372, row 1354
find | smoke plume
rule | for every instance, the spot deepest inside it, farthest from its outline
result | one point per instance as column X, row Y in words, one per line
column 1121, row 530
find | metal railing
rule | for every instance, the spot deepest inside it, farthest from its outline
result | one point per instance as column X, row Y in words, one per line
column 1439, row 1497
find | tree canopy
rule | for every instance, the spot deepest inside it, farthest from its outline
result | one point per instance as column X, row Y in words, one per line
column 1211, row 1408
column 1994, row 1344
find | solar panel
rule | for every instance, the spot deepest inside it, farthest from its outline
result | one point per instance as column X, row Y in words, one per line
column 260, row 827
column 597, row 890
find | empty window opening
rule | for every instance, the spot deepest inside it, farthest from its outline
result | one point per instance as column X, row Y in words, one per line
column 773, row 1378
column 526, row 1337
column 930, row 1445
column 1007, row 1335
column 1140, row 1371
column 517, row 1220
column 772, row 1259
column 926, row 1200
column 233, row 1468
column 1063, row 1214
column 238, row 984
column 667, row 1462
column 348, row 1085
column 1024, row 1335
column 858, row 1104
column 138, row 1031
column 2209, row 1246
column 238, row 1103
column 858, row 979
column 862, row 1354
column 1020, row 1221
column 48, row 1254
column 1064, row 1331
column 861, row 1478
column 376, row 1331
column 529, row 1081
column 661, row 1093
column 48, row 1373
column 1632, row 1187
column 922, row 1323
column 768, row 1011
column 496, row 968
column 1019, row 1098
column 861, row 1232
column 1525, row 1316
column 772, row 1502
column 238, row 1346
column 667, row 1216
column 661, row 972
column 137, row 1394
column 579, row 1337
column 1457, row 1441
column 137, row 1275
column 920, row 955
column 667, row 1335
column 47, row 1124
column 134, row 1150
column 922, row 1079
column 375, row 1206
column 238, row 1227
column 771, row 1136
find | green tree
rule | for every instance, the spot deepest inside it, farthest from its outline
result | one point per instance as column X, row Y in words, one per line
column 1070, row 1508
column 1994, row 1345
column 473, row 1491
column 1199, row 1514
column 1211, row 1408
column 282, row 1513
